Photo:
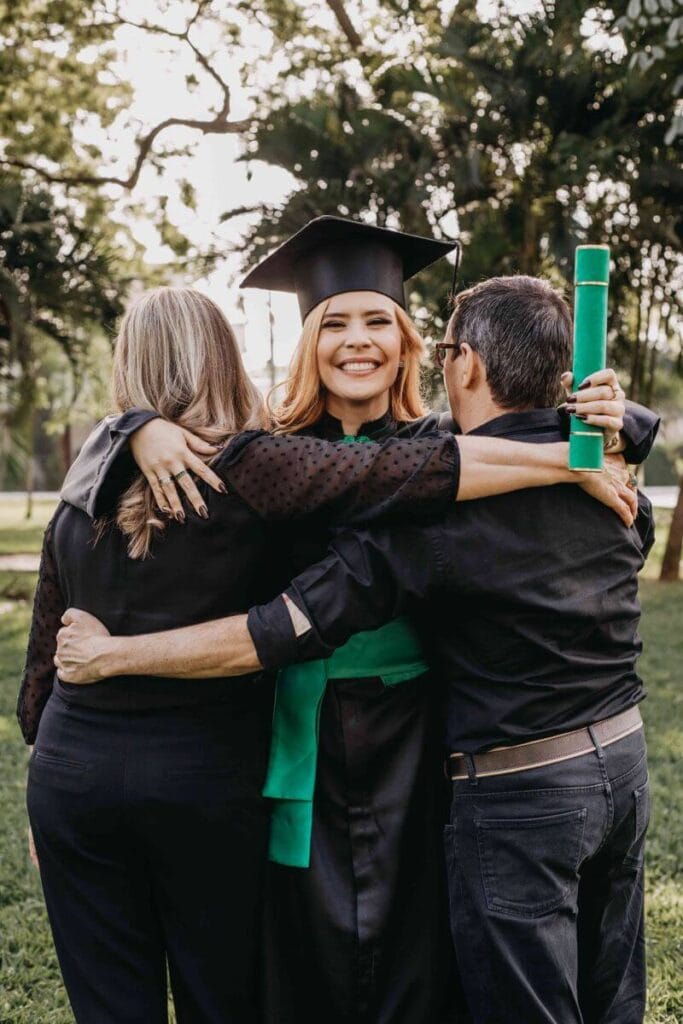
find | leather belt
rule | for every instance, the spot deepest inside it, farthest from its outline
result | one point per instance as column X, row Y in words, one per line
column 523, row 756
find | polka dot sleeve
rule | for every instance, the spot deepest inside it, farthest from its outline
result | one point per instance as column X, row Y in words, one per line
column 291, row 477
column 48, row 608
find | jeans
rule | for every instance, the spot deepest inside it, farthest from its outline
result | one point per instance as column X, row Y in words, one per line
column 545, row 871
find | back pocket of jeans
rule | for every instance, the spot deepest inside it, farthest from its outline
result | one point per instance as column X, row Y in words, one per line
column 529, row 865
column 641, row 820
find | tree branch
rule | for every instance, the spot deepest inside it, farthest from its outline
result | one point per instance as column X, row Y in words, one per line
column 345, row 24
column 219, row 124
column 216, row 126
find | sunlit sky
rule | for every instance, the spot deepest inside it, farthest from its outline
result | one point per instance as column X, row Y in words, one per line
column 156, row 68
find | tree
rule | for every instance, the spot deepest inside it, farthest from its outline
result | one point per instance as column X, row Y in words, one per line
column 531, row 128
column 67, row 255
column 64, row 52
column 62, row 282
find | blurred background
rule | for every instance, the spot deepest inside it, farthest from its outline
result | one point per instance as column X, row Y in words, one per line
column 163, row 141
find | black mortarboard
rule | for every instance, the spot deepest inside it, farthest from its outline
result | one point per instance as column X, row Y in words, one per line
column 331, row 255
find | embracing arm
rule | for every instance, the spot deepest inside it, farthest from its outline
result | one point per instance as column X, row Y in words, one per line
column 362, row 583
column 106, row 465
column 291, row 477
column 39, row 670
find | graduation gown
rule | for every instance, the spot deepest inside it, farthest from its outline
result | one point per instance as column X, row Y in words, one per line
column 361, row 935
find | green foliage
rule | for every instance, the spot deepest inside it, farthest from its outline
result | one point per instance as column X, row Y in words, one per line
column 55, row 69
column 61, row 290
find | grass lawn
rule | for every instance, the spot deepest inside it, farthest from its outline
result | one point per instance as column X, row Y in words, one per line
column 21, row 536
column 30, row 986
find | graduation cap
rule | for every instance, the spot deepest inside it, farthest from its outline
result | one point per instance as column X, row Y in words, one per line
column 331, row 255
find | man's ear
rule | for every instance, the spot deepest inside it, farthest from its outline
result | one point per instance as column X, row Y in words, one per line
column 468, row 366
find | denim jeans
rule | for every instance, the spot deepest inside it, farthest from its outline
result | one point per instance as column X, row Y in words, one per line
column 545, row 871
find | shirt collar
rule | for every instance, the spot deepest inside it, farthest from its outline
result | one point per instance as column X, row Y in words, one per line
column 533, row 421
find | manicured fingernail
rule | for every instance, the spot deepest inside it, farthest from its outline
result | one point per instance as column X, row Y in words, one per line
column 571, row 409
column 180, row 517
column 166, row 509
column 217, row 444
column 203, row 511
column 571, row 398
column 222, row 488
column 586, row 384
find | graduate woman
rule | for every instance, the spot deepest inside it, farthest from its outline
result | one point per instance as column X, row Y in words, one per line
column 355, row 922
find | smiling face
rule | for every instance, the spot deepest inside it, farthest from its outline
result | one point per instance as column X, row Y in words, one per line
column 359, row 347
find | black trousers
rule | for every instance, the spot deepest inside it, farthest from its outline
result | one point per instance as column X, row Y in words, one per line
column 151, row 835
column 546, row 889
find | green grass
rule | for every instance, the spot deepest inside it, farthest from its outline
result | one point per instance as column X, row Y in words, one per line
column 21, row 536
column 30, row 986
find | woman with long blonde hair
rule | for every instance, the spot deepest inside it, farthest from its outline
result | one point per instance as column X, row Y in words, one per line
column 144, row 794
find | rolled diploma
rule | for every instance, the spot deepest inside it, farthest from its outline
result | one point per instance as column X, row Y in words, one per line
column 591, row 278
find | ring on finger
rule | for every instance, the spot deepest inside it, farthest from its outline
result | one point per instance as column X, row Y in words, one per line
column 632, row 481
column 177, row 476
column 165, row 479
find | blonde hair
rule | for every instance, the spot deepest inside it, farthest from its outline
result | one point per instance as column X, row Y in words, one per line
column 176, row 354
column 303, row 402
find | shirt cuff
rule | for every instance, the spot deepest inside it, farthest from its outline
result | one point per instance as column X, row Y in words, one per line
column 275, row 639
column 273, row 634
column 130, row 421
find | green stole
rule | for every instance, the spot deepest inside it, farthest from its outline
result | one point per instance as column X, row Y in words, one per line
column 393, row 653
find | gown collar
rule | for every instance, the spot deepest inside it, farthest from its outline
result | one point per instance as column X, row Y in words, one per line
column 329, row 428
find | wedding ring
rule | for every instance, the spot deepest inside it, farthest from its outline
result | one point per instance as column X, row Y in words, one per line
column 177, row 476
column 164, row 479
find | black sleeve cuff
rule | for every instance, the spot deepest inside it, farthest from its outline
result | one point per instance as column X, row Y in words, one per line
column 639, row 432
column 128, row 422
column 274, row 638
column 104, row 467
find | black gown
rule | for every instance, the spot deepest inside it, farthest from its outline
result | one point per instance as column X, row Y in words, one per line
column 361, row 936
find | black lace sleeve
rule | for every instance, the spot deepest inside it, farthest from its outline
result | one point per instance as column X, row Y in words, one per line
column 291, row 477
column 48, row 608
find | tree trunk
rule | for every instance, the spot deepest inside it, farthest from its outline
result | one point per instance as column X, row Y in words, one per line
column 30, row 467
column 527, row 257
column 674, row 544
column 635, row 362
column 65, row 444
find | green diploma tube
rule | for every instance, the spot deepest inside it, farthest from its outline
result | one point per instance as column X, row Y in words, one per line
column 591, row 279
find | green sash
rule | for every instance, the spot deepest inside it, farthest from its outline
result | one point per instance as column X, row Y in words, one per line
column 393, row 653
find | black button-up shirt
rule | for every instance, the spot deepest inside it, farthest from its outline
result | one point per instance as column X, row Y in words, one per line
column 528, row 603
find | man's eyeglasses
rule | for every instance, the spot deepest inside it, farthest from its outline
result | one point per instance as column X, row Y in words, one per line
column 440, row 352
